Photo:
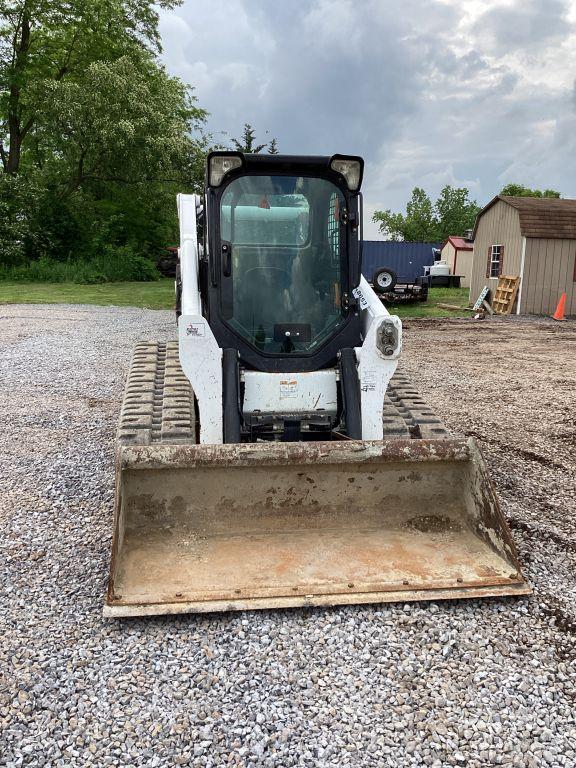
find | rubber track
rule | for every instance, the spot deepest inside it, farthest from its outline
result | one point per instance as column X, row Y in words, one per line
column 158, row 405
column 406, row 415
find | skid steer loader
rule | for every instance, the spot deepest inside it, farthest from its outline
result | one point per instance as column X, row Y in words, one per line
column 273, row 456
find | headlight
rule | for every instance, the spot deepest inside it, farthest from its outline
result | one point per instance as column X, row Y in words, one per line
column 220, row 165
column 387, row 337
column 350, row 168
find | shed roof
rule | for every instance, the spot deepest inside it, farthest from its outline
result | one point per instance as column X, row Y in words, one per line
column 547, row 217
column 459, row 243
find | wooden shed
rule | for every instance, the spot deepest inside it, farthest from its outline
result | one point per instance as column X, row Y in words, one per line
column 535, row 238
column 457, row 253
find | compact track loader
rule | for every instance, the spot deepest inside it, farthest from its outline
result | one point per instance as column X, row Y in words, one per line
column 274, row 456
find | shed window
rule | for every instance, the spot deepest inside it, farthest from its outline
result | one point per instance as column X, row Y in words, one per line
column 495, row 262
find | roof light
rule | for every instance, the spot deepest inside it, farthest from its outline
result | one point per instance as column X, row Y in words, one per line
column 220, row 165
column 350, row 168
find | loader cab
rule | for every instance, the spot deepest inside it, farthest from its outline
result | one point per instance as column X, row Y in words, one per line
column 281, row 257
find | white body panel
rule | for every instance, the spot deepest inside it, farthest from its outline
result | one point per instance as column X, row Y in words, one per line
column 290, row 392
column 374, row 368
column 201, row 361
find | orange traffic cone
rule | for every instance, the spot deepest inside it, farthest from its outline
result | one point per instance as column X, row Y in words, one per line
column 559, row 314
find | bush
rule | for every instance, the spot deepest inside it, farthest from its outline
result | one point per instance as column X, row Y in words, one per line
column 18, row 199
column 114, row 264
column 121, row 262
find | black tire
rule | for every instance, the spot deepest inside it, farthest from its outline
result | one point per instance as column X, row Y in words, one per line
column 384, row 280
column 178, row 288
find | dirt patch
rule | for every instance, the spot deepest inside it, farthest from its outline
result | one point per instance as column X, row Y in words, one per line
column 433, row 524
column 509, row 384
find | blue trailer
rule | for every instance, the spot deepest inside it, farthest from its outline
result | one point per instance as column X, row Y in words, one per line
column 396, row 269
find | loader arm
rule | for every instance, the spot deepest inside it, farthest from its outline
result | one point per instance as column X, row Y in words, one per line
column 377, row 358
column 200, row 355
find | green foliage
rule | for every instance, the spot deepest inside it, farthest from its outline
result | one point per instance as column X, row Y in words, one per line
column 451, row 214
column 418, row 223
column 43, row 41
column 273, row 147
column 127, row 122
column 113, row 264
column 455, row 212
column 247, row 143
column 96, row 139
column 18, row 202
column 518, row 190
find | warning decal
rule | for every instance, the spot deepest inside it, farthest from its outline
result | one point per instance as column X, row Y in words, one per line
column 368, row 381
column 288, row 388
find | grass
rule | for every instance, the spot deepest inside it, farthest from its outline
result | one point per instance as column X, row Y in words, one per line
column 430, row 308
column 159, row 294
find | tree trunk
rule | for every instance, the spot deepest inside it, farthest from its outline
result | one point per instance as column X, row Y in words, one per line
column 16, row 130
column 15, row 151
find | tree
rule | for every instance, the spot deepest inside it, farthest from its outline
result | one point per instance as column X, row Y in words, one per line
column 518, row 190
column 247, row 142
column 455, row 212
column 127, row 121
column 451, row 214
column 95, row 137
column 417, row 224
column 118, row 145
column 273, row 147
column 48, row 41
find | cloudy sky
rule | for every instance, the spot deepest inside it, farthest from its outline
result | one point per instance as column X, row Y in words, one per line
column 472, row 93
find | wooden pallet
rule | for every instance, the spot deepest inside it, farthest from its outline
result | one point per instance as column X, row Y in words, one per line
column 505, row 294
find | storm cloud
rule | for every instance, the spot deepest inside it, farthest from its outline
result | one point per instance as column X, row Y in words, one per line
column 477, row 94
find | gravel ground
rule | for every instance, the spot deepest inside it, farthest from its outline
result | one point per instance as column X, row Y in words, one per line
column 469, row 683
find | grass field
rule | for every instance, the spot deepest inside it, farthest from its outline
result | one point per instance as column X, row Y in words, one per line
column 160, row 295
column 456, row 296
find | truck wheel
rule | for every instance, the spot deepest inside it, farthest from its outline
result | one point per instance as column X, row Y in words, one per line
column 384, row 280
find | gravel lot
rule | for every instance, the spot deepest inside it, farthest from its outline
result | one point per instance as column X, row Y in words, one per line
column 468, row 683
